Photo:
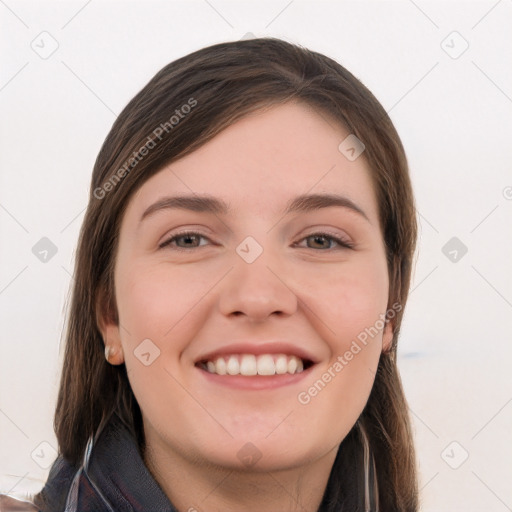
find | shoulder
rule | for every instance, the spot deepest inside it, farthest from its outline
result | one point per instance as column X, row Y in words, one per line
column 52, row 496
column 10, row 504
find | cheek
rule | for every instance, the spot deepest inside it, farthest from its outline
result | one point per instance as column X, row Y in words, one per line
column 349, row 300
column 349, row 306
column 162, row 305
column 157, row 304
column 152, row 301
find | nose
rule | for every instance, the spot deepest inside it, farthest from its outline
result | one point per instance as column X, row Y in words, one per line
column 257, row 290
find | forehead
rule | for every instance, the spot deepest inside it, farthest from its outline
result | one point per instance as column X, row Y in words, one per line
column 261, row 161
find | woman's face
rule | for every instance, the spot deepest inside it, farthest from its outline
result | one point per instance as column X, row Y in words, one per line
column 259, row 285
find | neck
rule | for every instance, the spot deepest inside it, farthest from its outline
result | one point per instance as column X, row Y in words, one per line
column 194, row 485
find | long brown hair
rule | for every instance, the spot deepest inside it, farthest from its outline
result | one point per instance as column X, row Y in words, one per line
column 183, row 106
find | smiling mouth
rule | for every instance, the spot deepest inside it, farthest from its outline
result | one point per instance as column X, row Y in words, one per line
column 249, row 365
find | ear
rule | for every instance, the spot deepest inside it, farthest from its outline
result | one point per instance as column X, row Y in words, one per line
column 387, row 337
column 108, row 325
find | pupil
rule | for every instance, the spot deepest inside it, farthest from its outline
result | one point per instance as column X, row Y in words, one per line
column 188, row 238
column 316, row 238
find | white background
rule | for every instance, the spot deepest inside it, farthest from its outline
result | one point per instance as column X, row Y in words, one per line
column 454, row 116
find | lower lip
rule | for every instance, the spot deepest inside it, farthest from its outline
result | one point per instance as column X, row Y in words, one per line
column 255, row 382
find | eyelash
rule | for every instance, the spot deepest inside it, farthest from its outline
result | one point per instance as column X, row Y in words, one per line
column 344, row 244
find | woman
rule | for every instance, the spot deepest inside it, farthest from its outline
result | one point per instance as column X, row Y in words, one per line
column 241, row 276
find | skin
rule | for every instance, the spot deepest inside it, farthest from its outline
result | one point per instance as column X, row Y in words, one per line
column 308, row 291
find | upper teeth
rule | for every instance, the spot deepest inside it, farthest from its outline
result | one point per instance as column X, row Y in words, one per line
column 249, row 364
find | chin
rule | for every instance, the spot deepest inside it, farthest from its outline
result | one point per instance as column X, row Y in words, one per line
column 261, row 455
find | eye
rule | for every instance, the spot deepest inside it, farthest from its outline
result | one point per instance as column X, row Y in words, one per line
column 189, row 237
column 321, row 238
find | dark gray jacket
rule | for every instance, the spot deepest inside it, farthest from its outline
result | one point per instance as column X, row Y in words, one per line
column 112, row 478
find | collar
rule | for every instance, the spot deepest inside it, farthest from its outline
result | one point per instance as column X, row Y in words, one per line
column 112, row 478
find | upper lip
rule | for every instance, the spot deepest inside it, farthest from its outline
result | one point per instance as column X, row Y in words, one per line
column 275, row 347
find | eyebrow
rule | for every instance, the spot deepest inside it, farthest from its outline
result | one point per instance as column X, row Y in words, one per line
column 210, row 204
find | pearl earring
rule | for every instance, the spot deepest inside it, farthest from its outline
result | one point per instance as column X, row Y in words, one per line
column 109, row 350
